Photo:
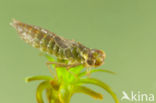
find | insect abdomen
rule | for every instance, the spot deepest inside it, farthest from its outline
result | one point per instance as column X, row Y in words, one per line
column 39, row 38
column 35, row 36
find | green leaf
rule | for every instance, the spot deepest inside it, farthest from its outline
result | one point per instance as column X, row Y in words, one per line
column 49, row 94
column 62, row 74
column 96, row 70
column 34, row 78
column 88, row 91
column 77, row 69
column 65, row 93
column 49, row 57
column 42, row 86
column 100, row 84
column 67, row 76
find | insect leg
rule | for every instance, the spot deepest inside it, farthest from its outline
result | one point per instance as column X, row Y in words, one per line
column 72, row 65
column 56, row 65
column 52, row 72
column 68, row 66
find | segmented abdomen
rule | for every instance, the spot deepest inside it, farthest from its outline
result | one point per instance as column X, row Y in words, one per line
column 49, row 42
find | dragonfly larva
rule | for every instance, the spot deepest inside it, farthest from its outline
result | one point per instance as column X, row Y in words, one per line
column 63, row 49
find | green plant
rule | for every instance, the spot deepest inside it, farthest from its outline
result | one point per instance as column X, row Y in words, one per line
column 61, row 87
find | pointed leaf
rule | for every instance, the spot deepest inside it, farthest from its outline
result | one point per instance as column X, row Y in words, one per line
column 88, row 91
column 100, row 84
column 96, row 70
column 42, row 86
column 34, row 78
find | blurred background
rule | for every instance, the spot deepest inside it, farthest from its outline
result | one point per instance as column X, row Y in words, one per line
column 124, row 29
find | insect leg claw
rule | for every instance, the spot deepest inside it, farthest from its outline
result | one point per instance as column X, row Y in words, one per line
column 88, row 72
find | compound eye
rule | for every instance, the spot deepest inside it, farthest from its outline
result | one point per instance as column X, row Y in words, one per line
column 90, row 62
column 98, row 63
